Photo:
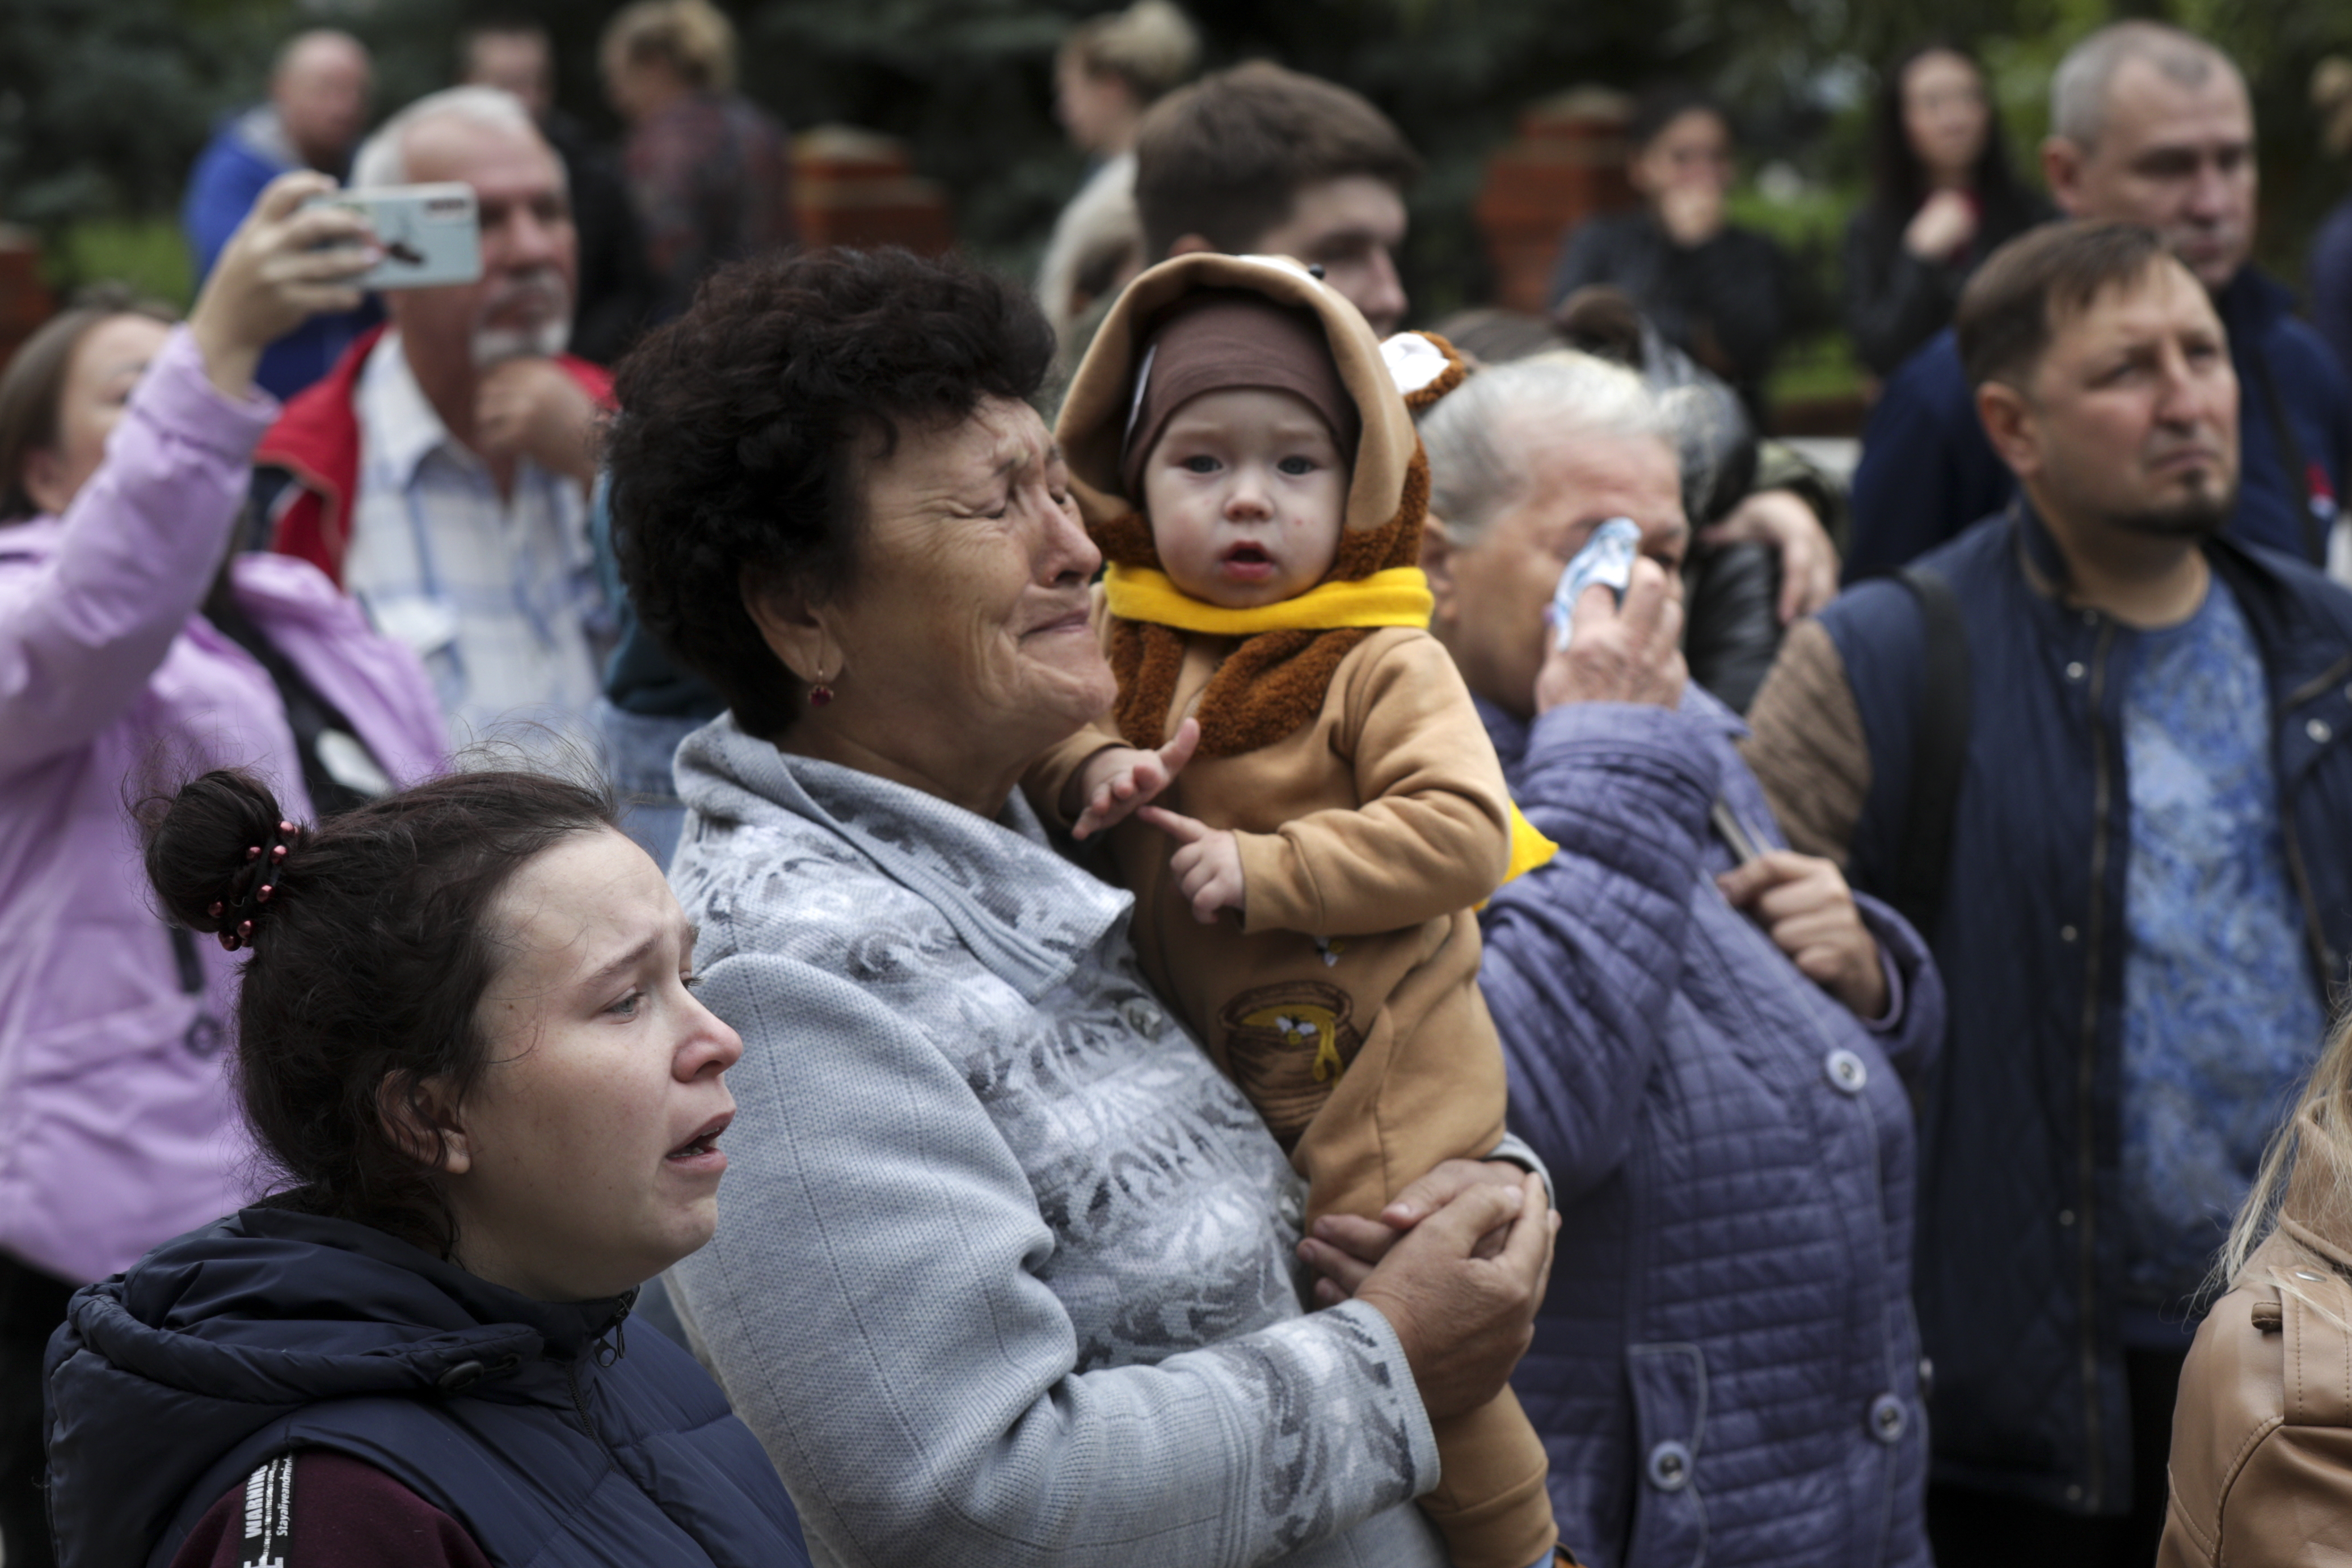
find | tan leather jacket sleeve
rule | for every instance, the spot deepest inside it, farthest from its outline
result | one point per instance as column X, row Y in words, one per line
column 2261, row 1440
column 1807, row 746
column 1434, row 834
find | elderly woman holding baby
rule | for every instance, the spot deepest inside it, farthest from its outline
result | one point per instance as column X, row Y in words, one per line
column 1007, row 1270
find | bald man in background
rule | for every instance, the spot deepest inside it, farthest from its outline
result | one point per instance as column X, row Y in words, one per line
column 317, row 105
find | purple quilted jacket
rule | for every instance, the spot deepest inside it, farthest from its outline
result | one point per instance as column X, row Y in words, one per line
column 118, row 1128
column 1725, row 1370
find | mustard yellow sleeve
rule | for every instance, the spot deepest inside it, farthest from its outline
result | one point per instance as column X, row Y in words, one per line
column 1433, row 834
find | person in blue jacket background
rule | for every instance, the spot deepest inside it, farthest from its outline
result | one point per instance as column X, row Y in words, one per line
column 318, row 105
column 2149, row 125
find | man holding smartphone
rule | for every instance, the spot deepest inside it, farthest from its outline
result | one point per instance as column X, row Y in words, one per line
column 440, row 471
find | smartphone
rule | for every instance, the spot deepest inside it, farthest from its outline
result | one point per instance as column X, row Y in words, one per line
column 431, row 234
column 1607, row 557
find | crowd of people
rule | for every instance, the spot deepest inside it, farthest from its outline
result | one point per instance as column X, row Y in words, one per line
column 1083, row 906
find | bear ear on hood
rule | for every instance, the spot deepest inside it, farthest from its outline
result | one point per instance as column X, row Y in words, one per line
column 1424, row 366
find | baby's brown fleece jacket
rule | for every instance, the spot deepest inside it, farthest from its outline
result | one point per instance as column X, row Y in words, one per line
column 1377, row 828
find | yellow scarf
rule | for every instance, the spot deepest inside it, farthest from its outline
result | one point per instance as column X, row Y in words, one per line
column 1530, row 847
column 1398, row 596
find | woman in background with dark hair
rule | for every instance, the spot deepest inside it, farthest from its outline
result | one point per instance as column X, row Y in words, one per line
column 468, row 1044
column 1720, row 293
column 129, row 637
column 1942, row 198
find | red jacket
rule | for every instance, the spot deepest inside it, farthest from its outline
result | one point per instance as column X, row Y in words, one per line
column 317, row 440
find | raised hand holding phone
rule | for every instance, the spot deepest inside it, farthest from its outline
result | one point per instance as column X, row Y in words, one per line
column 288, row 260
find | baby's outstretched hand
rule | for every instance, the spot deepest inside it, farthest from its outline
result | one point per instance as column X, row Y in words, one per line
column 1118, row 779
column 1207, row 862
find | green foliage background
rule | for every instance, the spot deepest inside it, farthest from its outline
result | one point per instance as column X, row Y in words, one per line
column 104, row 103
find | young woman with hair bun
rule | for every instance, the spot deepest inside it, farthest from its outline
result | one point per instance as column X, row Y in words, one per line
column 131, row 634
column 1109, row 70
column 468, row 1047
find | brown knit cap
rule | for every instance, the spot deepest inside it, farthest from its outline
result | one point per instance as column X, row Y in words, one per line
column 1271, row 682
column 1226, row 339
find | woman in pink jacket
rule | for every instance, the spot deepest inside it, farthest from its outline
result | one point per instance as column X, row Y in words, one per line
column 135, row 651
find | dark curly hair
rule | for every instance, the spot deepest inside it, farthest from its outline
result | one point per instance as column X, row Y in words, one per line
column 369, row 959
column 737, row 452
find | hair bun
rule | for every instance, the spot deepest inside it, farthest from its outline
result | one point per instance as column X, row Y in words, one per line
column 209, row 849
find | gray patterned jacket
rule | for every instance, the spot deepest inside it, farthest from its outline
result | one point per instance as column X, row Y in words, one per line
column 1004, row 1268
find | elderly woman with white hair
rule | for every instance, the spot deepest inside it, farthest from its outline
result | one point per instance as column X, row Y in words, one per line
column 1709, row 1037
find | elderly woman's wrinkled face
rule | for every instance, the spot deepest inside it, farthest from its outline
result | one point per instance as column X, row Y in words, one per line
column 966, row 625
column 1492, row 597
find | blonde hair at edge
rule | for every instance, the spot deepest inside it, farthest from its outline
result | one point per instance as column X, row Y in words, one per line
column 694, row 36
column 1149, row 44
column 2327, row 1101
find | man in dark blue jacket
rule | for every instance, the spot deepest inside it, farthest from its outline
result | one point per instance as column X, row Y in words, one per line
column 2146, row 903
column 2148, row 125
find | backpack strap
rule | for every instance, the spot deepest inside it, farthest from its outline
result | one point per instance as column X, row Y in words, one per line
column 1939, row 750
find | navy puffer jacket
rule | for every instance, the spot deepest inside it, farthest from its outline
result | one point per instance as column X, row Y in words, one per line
column 2021, row 1262
column 525, row 1421
column 1725, row 1368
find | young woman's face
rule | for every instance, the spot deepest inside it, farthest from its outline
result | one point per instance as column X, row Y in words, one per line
column 585, row 1160
column 106, row 364
column 1945, row 117
column 1693, row 148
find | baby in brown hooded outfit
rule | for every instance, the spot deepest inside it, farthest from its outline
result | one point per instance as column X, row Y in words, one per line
column 1244, row 456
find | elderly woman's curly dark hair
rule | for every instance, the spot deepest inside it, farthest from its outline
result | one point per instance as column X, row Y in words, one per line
column 738, row 446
